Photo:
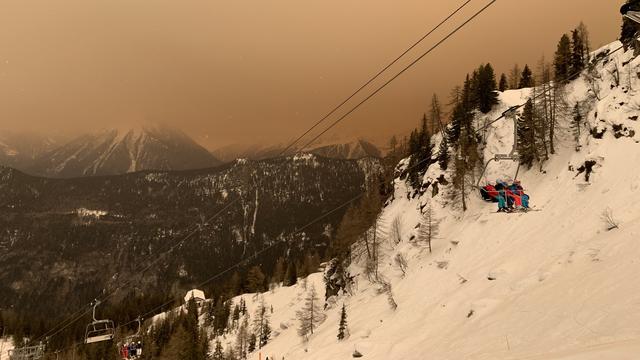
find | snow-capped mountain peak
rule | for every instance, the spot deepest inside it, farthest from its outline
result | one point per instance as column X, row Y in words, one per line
column 119, row 151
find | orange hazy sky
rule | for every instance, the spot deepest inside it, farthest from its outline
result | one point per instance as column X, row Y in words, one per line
column 246, row 71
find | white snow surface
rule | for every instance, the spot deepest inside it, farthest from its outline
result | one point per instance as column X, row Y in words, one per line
column 565, row 288
column 5, row 345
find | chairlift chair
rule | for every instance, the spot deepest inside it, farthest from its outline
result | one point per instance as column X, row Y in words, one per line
column 137, row 337
column 513, row 155
column 27, row 352
column 633, row 16
column 99, row 330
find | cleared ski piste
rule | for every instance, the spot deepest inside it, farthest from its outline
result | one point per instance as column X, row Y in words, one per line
column 565, row 288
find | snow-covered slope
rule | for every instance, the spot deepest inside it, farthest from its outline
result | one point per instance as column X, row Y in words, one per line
column 549, row 284
column 118, row 151
column 5, row 346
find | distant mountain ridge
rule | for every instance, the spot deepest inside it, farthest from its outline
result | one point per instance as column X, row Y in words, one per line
column 149, row 147
column 21, row 149
column 114, row 152
column 348, row 150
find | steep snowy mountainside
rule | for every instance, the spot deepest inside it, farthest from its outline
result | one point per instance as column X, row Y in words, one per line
column 120, row 151
column 548, row 284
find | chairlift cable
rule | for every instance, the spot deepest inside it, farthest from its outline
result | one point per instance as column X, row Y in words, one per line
column 405, row 69
column 376, row 76
column 113, row 292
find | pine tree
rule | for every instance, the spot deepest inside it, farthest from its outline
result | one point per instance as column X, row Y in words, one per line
column 252, row 343
column 514, row 77
column 576, row 124
column 421, row 152
column 236, row 316
column 435, row 115
column 261, row 326
column 291, row 276
column 311, row 315
column 342, row 327
column 429, row 227
column 526, row 79
column 485, row 88
column 278, row 272
column 562, row 59
column 504, row 83
column 255, row 280
column 242, row 339
column 218, row 353
column 221, row 314
column 464, row 140
column 577, row 53
column 586, row 40
column 526, row 136
column 266, row 333
column 443, row 154
column 243, row 307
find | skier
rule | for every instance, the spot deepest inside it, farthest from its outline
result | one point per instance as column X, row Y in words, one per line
column 515, row 192
column 489, row 193
column 500, row 188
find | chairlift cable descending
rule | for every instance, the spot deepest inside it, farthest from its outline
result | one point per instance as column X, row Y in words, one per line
column 107, row 328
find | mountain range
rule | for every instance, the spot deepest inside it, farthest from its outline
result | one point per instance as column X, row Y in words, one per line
column 151, row 147
column 338, row 149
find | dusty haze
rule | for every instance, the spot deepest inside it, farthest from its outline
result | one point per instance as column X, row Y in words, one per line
column 254, row 71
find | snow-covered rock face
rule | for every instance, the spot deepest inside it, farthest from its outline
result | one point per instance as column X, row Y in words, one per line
column 550, row 284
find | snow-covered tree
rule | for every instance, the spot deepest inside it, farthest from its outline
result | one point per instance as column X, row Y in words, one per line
column 429, row 227
column 218, row 353
column 311, row 315
column 576, row 124
column 242, row 339
column 261, row 326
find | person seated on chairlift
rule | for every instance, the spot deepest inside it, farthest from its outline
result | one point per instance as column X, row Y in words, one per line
column 489, row 193
column 502, row 202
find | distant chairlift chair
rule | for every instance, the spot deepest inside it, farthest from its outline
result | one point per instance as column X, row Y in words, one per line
column 99, row 330
column 510, row 113
column 137, row 337
column 27, row 353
